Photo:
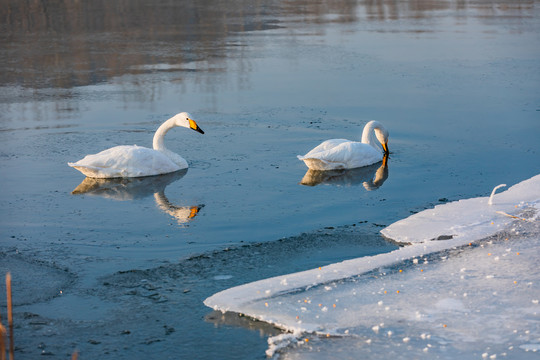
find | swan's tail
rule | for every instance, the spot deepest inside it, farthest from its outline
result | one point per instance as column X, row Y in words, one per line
column 96, row 172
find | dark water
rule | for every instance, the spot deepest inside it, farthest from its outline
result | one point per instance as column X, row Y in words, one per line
column 121, row 271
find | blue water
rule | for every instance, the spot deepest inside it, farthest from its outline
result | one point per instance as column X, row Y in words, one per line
column 456, row 84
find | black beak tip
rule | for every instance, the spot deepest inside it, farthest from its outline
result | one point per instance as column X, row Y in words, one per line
column 200, row 130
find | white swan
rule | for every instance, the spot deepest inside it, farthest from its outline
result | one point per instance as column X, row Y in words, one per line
column 136, row 161
column 345, row 154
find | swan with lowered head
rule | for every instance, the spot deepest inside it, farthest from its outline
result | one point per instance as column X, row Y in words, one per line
column 136, row 161
column 345, row 154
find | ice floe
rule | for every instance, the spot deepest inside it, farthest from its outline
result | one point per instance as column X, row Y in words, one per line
column 446, row 292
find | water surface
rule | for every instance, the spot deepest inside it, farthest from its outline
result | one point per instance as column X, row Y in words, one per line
column 456, row 83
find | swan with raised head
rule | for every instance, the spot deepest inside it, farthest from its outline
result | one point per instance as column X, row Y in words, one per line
column 136, row 161
column 345, row 154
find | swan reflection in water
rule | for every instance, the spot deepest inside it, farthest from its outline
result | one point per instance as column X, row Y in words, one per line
column 125, row 189
column 371, row 177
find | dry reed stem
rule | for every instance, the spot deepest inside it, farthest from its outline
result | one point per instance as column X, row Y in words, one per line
column 10, row 315
column 2, row 342
column 512, row 216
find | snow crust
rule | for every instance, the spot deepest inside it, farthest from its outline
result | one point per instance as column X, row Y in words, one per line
column 469, row 295
column 466, row 220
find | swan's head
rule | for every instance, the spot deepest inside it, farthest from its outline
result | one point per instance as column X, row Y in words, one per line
column 382, row 136
column 185, row 120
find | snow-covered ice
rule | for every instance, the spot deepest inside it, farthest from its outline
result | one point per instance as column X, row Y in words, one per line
column 467, row 285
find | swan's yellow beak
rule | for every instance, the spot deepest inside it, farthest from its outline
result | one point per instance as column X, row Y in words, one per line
column 193, row 125
column 193, row 212
column 385, row 147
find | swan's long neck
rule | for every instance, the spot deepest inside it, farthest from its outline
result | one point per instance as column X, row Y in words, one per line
column 162, row 201
column 369, row 137
column 159, row 136
column 182, row 213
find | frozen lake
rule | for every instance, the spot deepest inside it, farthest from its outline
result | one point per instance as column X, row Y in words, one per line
column 463, row 285
column 121, row 272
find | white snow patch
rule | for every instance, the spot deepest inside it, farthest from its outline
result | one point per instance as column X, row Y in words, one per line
column 450, row 304
column 278, row 342
column 466, row 220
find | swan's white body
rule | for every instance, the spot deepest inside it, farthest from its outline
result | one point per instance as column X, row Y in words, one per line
column 345, row 154
column 137, row 161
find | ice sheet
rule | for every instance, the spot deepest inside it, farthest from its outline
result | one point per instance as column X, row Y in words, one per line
column 472, row 297
column 468, row 219
column 461, row 304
